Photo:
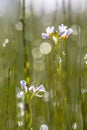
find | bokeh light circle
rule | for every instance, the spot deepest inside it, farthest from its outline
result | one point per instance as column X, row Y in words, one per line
column 44, row 127
column 19, row 26
column 36, row 53
column 45, row 48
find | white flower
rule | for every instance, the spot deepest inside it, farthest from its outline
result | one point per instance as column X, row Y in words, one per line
column 23, row 85
column 62, row 29
column 37, row 90
column 49, row 31
column 64, row 32
column 32, row 89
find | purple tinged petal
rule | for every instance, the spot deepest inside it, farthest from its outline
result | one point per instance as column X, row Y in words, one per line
column 69, row 32
column 41, row 88
column 62, row 27
column 32, row 89
column 64, row 32
column 45, row 36
column 63, row 35
column 23, row 82
column 23, row 85
column 35, row 89
column 50, row 30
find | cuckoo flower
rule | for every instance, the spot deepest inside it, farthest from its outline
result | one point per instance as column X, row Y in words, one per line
column 37, row 90
column 23, row 85
column 64, row 32
column 33, row 90
column 49, row 32
column 61, row 29
column 29, row 93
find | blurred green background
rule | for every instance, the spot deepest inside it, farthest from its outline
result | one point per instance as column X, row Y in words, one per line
column 23, row 55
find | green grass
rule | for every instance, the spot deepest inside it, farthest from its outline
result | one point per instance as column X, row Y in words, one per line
column 65, row 107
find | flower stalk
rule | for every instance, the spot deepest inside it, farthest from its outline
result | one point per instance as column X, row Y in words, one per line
column 29, row 94
column 26, row 61
column 56, row 36
column 59, row 96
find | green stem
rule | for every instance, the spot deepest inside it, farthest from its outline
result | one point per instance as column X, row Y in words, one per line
column 26, row 62
column 28, row 112
column 30, row 116
column 59, row 59
column 7, row 102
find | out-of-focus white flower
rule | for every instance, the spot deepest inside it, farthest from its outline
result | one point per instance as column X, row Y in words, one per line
column 37, row 90
column 32, row 89
column 6, row 41
column 23, row 85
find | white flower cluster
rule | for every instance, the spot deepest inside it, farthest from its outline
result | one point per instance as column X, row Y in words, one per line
column 32, row 89
column 62, row 32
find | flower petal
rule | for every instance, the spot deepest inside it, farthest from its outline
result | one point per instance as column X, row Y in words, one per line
column 64, row 32
column 45, row 36
column 23, row 83
column 50, row 30
column 32, row 89
column 62, row 27
column 41, row 88
column 69, row 32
